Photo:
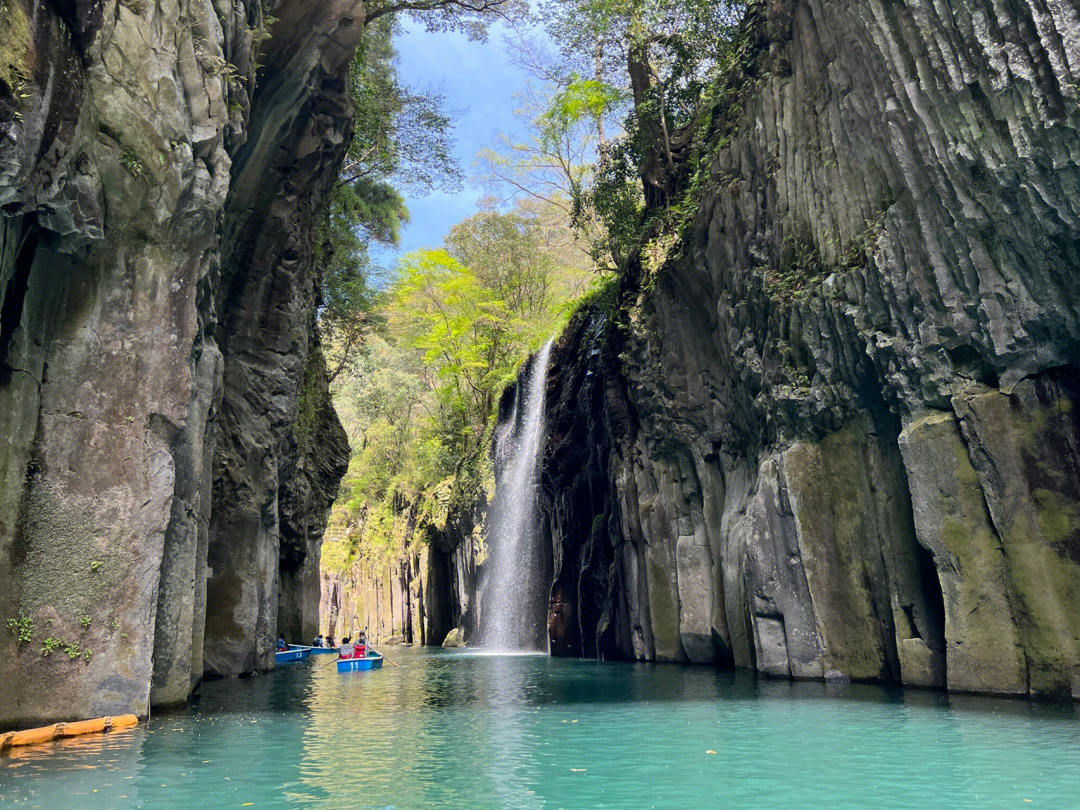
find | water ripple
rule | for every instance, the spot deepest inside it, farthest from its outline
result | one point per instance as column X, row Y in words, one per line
column 455, row 730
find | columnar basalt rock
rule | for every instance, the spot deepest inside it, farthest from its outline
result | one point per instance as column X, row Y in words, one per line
column 120, row 126
column 418, row 597
column 300, row 127
column 832, row 435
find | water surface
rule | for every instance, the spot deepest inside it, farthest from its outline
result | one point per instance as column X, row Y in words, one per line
column 458, row 730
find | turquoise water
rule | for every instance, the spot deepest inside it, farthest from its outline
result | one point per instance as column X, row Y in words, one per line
column 455, row 730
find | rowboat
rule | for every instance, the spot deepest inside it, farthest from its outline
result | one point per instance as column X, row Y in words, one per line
column 370, row 661
column 294, row 653
column 324, row 650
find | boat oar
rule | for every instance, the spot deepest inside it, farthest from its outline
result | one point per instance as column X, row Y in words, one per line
column 387, row 659
column 328, row 663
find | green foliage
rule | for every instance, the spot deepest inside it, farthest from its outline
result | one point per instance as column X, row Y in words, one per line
column 677, row 69
column 602, row 295
column 262, row 30
column 403, row 142
column 72, row 649
column 15, row 46
column 419, row 402
column 402, row 134
column 95, row 565
column 130, row 161
column 86, row 621
column 615, row 202
column 460, row 325
column 580, row 100
column 22, row 627
column 50, row 645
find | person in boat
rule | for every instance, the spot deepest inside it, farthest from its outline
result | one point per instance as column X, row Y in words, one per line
column 346, row 650
column 361, row 645
column 330, row 641
column 281, row 645
column 318, row 642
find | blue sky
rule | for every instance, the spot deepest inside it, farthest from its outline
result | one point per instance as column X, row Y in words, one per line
column 479, row 82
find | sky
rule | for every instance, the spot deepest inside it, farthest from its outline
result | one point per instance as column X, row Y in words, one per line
column 479, row 82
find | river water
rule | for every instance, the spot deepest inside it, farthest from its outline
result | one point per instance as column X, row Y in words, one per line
column 453, row 729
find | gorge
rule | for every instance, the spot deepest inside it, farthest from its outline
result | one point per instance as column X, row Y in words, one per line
column 827, row 430
column 821, row 425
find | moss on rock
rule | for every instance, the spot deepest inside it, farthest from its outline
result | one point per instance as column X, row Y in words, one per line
column 16, row 44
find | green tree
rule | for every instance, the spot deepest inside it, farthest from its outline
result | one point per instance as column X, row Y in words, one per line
column 403, row 141
column 445, row 310
column 655, row 63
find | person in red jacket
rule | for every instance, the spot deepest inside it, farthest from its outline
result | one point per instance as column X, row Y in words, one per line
column 361, row 645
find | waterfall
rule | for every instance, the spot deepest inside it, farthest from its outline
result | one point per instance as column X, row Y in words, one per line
column 513, row 612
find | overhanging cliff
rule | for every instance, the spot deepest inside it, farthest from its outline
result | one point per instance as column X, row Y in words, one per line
column 833, row 433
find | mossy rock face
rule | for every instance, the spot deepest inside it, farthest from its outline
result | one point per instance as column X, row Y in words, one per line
column 455, row 638
column 1023, row 448
column 66, row 562
column 832, row 500
column 984, row 649
column 86, row 595
column 660, row 532
column 16, row 45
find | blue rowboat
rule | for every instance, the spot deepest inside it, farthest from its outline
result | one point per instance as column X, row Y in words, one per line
column 292, row 654
column 371, row 661
column 324, row 650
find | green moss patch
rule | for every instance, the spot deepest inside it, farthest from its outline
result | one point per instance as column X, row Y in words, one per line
column 64, row 561
column 16, row 44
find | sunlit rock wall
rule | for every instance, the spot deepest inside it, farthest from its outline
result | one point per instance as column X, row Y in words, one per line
column 133, row 324
column 415, row 597
column 835, row 435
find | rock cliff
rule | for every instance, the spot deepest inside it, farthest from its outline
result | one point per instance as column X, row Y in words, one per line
column 833, row 433
column 428, row 590
column 161, row 497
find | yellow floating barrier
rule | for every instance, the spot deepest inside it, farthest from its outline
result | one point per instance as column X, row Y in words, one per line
column 59, row 731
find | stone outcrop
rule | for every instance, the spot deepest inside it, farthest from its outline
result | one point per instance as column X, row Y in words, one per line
column 422, row 595
column 833, row 433
column 299, row 129
column 159, row 377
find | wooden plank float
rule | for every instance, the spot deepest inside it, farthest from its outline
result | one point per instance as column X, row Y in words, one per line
column 59, row 731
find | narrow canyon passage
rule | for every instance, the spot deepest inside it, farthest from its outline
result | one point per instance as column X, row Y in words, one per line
column 691, row 378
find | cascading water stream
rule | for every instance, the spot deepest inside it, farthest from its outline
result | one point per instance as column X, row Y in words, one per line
column 514, row 605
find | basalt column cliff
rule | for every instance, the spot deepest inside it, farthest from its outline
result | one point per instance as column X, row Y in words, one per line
column 161, row 495
column 834, row 432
